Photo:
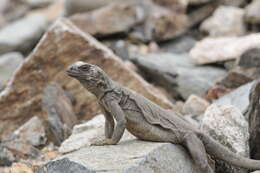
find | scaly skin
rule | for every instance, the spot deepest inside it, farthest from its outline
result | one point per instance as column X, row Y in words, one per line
column 148, row 121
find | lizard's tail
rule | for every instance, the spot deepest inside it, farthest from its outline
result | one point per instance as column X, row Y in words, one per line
column 215, row 149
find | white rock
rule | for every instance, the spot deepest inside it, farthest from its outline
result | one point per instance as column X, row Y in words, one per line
column 226, row 21
column 227, row 125
column 32, row 131
column 129, row 156
column 88, row 131
column 195, row 105
column 8, row 64
column 252, row 12
column 22, row 34
column 211, row 50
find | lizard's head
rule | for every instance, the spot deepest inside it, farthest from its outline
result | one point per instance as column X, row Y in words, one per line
column 90, row 76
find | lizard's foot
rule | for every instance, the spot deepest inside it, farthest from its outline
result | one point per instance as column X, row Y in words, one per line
column 102, row 142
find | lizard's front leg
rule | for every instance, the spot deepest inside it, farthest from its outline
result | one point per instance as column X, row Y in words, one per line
column 119, row 129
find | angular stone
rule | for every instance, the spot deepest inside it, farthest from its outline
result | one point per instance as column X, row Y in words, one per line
column 250, row 58
column 8, row 64
column 226, row 21
column 253, row 115
column 21, row 168
column 80, row 6
column 32, row 131
column 238, row 98
column 211, row 50
column 114, row 18
column 31, row 29
column 227, row 125
column 64, row 166
column 129, row 156
column 163, row 24
column 21, row 149
column 176, row 74
column 13, row 10
column 6, row 157
column 62, row 45
column 195, row 105
column 155, row 22
column 234, row 79
column 179, row 45
column 60, row 115
column 252, row 12
column 179, row 6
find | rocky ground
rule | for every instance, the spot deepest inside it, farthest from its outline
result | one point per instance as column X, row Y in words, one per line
column 198, row 57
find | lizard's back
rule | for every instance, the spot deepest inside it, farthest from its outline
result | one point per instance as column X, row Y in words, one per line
column 143, row 112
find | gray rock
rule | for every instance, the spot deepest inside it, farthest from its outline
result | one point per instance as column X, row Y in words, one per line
column 256, row 172
column 8, row 64
column 227, row 125
column 129, row 156
column 250, row 58
column 252, row 12
column 226, row 21
column 32, row 131
column 179, row 45
column 177, row 74
column 63, row 166
column 23, row 34
column 253, row 115
column 60, row 115
column 238, row 98
column 6, row 156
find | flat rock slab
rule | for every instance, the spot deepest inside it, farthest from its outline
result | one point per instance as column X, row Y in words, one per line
column 132, row 156
column 177, row 74
column 23, row 34
column 211, row 50
column 62, row 45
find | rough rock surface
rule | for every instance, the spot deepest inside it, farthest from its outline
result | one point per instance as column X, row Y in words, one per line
column 62, row 45
column 252, row 12
column 176, row 73
column 87, row 131
column 227, row 125
column 253, row 115
column 30, row 29
column 195, row 105
column 211, row 50
column 195, row 2
column 32, row 131
column 60, row 116
column 9, row 62
column 80, row 6
column 115, row 18
column 129, row 156
column 226, row 21
column 151, row 22
column 238, row 98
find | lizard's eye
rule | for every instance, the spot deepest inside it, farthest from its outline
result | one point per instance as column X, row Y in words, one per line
column 84, row 67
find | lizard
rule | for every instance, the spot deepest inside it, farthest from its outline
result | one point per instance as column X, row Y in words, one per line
column 124, row 108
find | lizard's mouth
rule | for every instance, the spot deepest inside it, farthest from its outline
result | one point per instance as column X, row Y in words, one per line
column 72, row 73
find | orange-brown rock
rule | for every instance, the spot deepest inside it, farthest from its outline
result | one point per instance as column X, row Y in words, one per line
column 62, row 45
